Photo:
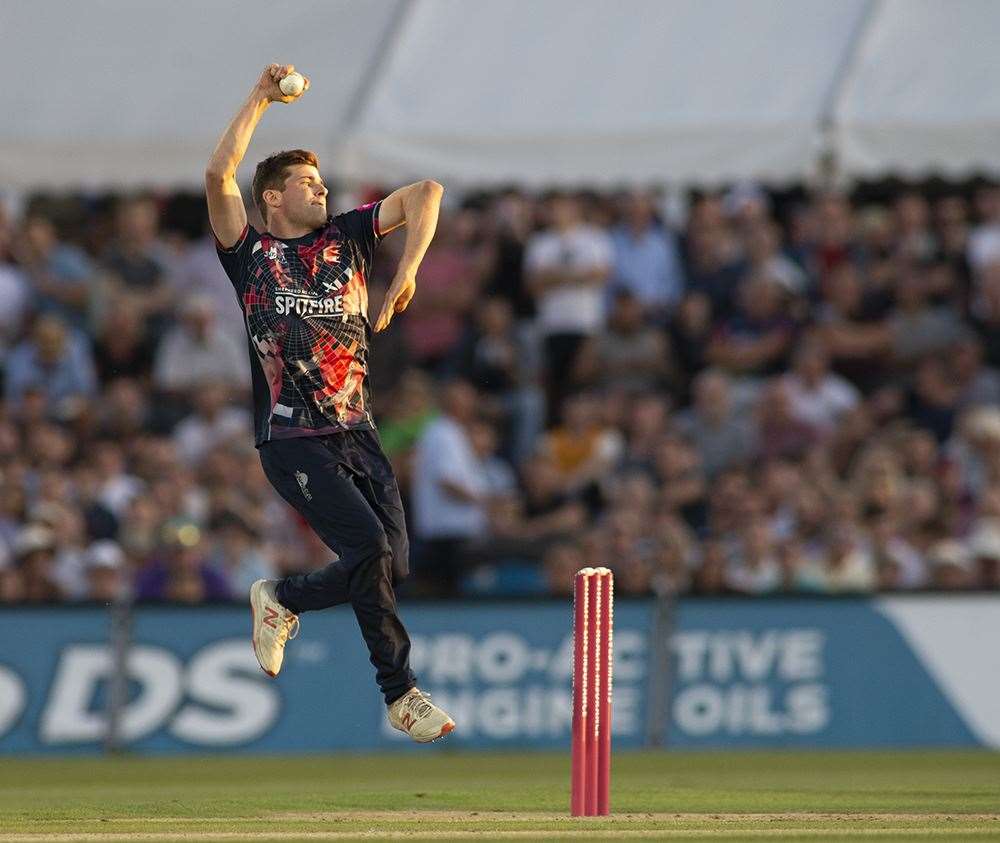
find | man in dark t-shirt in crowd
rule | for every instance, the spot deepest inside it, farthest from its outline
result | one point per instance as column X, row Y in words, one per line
column 302, row 285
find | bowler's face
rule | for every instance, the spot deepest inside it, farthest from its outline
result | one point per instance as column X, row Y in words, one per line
column 304, row 196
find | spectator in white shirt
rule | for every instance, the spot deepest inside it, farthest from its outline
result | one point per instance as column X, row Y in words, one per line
column 450, row 490
column 850, row 566
column 568, row 268
column 197, row 350
column 755, row 568
column 816, row 396
column 212, row 423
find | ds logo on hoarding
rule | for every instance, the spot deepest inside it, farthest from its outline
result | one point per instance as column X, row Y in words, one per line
column 216, row 699
column 12, row 698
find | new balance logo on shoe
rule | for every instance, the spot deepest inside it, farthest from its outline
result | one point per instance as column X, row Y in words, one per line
column 407, row 721
column 270, row 617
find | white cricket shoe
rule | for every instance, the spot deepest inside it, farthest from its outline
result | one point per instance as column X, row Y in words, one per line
column 273, row 625
column 415, row 714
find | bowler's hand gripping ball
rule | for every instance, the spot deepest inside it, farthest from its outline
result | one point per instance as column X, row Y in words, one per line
column 292, row 85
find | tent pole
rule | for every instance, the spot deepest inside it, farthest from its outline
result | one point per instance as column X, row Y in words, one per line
column 381, row 54
column 827, row 172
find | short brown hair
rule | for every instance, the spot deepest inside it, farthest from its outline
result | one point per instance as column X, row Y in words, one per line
column 272, row 172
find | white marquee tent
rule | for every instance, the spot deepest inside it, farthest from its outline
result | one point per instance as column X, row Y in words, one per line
column 123, row 92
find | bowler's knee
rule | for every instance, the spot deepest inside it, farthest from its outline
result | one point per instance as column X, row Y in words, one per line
column 376, row 544
column 400, row 558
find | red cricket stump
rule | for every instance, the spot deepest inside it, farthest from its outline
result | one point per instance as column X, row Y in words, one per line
column 593, row 624
column 580, row 697
column 606, row 656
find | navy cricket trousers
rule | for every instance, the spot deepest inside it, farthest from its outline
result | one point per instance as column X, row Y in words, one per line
column 344, row 486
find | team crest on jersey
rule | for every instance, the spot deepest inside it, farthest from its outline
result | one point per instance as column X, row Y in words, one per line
column 303, row 480
column 273, row 251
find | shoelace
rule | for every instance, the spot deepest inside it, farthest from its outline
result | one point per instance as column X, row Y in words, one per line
column 291, row 627
column 420, row 704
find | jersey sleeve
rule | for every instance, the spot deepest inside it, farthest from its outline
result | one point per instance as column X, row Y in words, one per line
column 361, row 227
column 235, row 260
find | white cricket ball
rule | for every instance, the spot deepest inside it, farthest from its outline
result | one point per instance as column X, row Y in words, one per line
column 292, row 85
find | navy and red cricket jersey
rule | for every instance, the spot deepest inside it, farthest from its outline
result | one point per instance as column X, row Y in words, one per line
column 305, row 308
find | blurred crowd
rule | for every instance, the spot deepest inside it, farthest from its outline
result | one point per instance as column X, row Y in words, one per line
column 716, row 393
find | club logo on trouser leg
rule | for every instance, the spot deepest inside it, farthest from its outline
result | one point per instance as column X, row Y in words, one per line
column 303, row 479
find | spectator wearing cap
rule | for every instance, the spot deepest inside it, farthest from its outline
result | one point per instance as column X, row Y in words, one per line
column 105, row 569
column 181, row 573
column 57, row 363
column 35, row 548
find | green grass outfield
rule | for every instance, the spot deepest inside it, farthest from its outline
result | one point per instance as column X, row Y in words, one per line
column 443, row 796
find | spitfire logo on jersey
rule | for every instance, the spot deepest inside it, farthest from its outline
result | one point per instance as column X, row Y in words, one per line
column 306, row 306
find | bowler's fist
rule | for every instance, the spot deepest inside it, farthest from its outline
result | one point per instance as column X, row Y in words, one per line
column 270, row 85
